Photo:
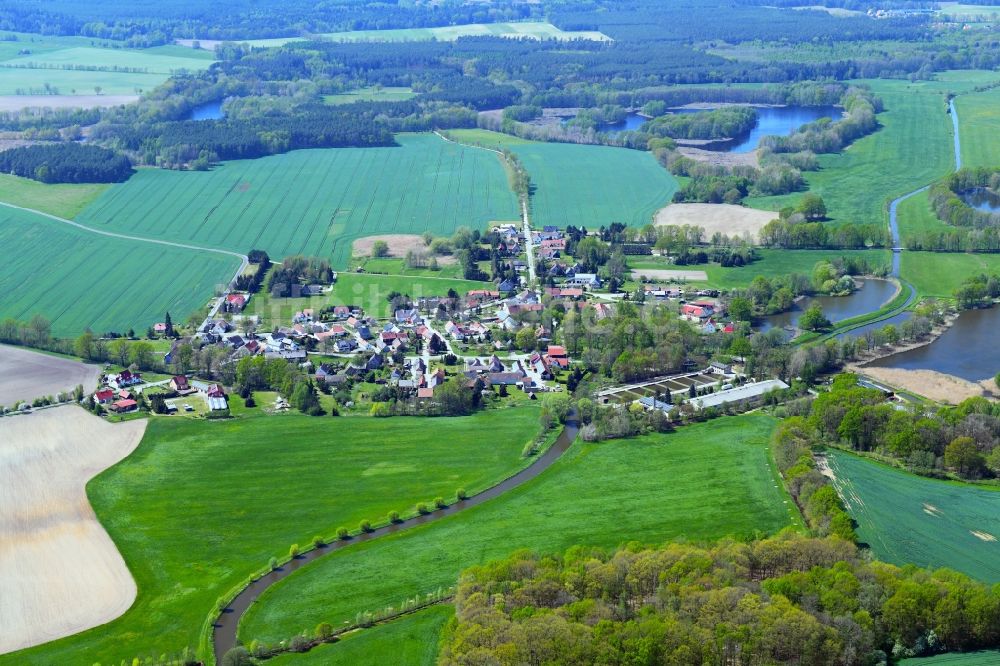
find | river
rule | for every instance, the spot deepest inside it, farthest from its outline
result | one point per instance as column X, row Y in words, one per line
column 872, row 296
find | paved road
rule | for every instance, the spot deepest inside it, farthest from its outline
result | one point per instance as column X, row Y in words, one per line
column 225, row 627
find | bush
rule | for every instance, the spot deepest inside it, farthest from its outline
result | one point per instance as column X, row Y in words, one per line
column 273, row 563
column 342, row 533
column 293, row 551
column 238, row 656
column 365, row 526
column 439, row 502
column 423, row 509
column 299, row 644
column 318, row 541
column 461, row 494
column 394, row 517
column 324, row 630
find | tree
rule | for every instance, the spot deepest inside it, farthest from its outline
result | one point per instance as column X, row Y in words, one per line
column 380, row 249
column 238, row 656
column 812, row 207
column 169, row 324
column 813, row 319
column 182, row 358
column 141, row 354
column 305, row 399
column 526, row 339
column 119, row 351
column 741, row 308
column 453, row 397
column 962, row 455
column 592, row 253
column 83, row 346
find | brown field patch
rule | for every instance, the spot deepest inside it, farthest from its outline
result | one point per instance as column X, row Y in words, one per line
column 723, row 218
column 60, row 573
column 983, row 536
column 934, row 385
column 720, row 158
column 26, row 375
column 399, row 245
column 669, row 274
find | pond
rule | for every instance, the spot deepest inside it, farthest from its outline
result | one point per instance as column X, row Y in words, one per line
column 872, row 295
column 968, row 349
column 207, row 111
column 633, row 121
column 778, row 121
column 982, row 199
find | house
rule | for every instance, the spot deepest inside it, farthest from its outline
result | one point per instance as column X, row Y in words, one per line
column 235, row 303
column 124, row 394
column 720, row 368
column 341, row 312
column 215, row 391
column 179, row 383
column 365, row 333
column 312, row 290
column 346, row 345
column 124, row 378
column 324, row 371
column 507, row 287
column 104, row 397
column 425, row 393
column 159, row 328
column 303, row 317
column 505, row 378
column 586, row 280
column 123, row 406
column 602, row 311
column 693, row 312
column 557, row 355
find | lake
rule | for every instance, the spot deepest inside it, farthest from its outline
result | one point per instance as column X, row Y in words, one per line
column 633, row 121
column 207, row 111
column 779, row 121
column 968, row 349
column 982, row 199
column 872, row 295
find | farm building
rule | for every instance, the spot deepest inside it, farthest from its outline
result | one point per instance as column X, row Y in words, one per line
column 216, row 403
column 180, row 383
column 123, row 406
column 748, row 393
column 104, row 397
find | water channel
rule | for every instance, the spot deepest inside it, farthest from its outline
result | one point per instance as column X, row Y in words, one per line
column 871, row 296
column 207, row 111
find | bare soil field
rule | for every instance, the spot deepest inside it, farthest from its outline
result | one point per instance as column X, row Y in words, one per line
column 723, row 218
column 719, row 158
column 668, row 274
column 26, row 375
column 60, row 573
column 18, row 102
column 934, row 385
column 399, row 245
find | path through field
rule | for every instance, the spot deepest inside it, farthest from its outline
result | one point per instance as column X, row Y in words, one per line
column 60, row 573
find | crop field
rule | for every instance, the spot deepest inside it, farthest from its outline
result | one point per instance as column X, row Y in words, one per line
column 983, row 658
column 586, row 185
column 201, row 505
column 930, row 523
column 530, row 30
column 979, row 128
column 913, row 147
column 371, row 94
column 410, row 640
column 314, row 202
column 29, row 374
column 82, row 280
column 938, row 274
column 61, row 199
column 702, row 482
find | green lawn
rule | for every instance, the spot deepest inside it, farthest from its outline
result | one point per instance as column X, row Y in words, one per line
column 410, row 640
column 532, row 30
column 62, row 200
column 150, row 62
column 371, row 94
column 200, row 505
column 937, row 274
column 586, row 185
column 979, row 128
column 913, row 148
column 314, row 202
column 83, row 280
column 915, row 216
column 985, row 658
column 703, row 482
column 910, row 519
column 368, row 291
column 397, row 266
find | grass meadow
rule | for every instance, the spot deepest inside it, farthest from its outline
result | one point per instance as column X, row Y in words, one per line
column 410, row 640
column 910, row 519
column 61, row 199
column 81, row 280
column 938, row 274
column 371, row 94
column 585, row 185
column 314, row 202
column 701, row 483
column 979, row 128
column 201, row 505
column 983, row 658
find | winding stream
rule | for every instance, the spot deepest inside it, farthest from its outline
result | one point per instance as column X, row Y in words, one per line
column 225, row 628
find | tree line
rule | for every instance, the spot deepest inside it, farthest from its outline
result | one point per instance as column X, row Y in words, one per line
column 66, row 163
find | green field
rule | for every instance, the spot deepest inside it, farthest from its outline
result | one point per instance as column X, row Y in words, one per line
column 531, row 30
column 199, row 506
column 410, row 640
column 938, row 274
column 700, row 483
column 150, row 62
column 62, row 200
column 985, row 658
column 979, row 127
column 915, row 216
column 913, row 148
column 314, row 202
column 586, row 185
column 371, row 94
column 83, row 280
column 911, row 519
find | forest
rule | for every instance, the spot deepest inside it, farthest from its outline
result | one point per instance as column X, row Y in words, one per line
column 784, row 600
column 66, row 163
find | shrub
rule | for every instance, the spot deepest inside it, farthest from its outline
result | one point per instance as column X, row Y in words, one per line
column 238, row 656
column 324, row 630
column 293, row 551
column 318, row 541
column 439, row 502
column 422, row 508
column 298, row 644
column 394, row 517
column 365, row 526
column 461, row 494
column 342, row 533
column 273, row 563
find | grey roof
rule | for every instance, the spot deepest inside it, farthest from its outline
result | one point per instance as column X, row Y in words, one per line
column 738, row 394
column 217, row 403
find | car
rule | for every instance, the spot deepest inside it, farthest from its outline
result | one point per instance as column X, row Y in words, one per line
column 188, row 408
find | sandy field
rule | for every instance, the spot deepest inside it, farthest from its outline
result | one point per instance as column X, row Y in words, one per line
column 934, row 385
column 18, row 102
column 26, row 375
column 399, row 245
column 725, row 218
column 60, row 573
column 665, row 274
column 719, row 158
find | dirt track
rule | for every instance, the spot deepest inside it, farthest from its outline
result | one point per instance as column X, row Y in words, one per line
column 26, row 375
column 723, row 218
column 60, row 573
